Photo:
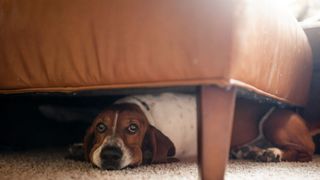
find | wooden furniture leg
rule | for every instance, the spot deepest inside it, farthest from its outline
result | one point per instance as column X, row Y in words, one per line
column 215, row 111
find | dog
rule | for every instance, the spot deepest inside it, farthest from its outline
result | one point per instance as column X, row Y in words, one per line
column 144, row 129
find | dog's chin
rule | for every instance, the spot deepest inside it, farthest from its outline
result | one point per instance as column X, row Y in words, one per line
column 110, row 166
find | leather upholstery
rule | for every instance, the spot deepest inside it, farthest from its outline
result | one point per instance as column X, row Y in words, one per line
column 59, row 45
column 271, row 53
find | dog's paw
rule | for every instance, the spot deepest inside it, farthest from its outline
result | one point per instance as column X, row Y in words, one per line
column 245, row 152
column 240, row 153
column 75, row 152
column 269, row 155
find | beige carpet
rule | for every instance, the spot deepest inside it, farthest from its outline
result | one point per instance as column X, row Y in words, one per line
column 52, row 165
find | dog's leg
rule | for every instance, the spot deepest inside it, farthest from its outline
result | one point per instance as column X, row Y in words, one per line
column 277, row 155
column 296, row 155
column 252, row 152
column 287, row 130
column 271, row 154
column 245, row 152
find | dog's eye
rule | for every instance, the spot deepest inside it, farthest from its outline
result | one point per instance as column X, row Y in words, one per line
column 101, row 127
column 133, row 128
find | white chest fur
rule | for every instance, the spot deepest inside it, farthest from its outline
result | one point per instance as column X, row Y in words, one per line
column 174, row 115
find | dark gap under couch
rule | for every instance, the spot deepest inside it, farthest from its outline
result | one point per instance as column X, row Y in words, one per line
column 24, row 126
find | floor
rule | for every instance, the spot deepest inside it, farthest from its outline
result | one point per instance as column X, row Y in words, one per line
column 50, row 164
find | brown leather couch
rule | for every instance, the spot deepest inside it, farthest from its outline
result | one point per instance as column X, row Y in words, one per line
column 219, row 46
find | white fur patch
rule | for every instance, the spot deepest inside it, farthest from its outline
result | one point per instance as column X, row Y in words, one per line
column 276, row 152
column 115, row 122
column 96, row 159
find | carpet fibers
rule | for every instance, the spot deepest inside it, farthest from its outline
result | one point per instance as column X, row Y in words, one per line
column 49, row 164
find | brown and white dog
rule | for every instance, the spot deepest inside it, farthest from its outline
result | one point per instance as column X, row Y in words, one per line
column 143, row 129
column 153, row 128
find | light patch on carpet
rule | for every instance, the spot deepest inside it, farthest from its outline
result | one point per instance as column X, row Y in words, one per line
column 248, row 170
column 50, row 164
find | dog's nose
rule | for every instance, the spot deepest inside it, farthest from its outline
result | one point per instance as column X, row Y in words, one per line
column 111, row 153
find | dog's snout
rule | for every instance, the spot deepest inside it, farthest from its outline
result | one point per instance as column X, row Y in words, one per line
column 111, row 153
column 111, row 157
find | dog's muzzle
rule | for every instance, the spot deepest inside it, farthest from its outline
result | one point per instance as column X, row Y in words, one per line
column 111, row 157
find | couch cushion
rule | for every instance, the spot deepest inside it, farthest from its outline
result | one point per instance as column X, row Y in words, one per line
column 271, row 53
column 58, row 45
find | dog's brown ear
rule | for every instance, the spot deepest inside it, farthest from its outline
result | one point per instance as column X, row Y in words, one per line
column 88, row 143
column 157, row 147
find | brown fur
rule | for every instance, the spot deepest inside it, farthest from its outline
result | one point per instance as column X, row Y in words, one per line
column 284, row 129
column 288, row 131
column 148, row 145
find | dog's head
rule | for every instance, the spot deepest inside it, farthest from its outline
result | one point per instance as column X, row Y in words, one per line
column 121, row 136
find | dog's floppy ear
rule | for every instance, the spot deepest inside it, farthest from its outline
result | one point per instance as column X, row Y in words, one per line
column 156, row 147
column 88, row 143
